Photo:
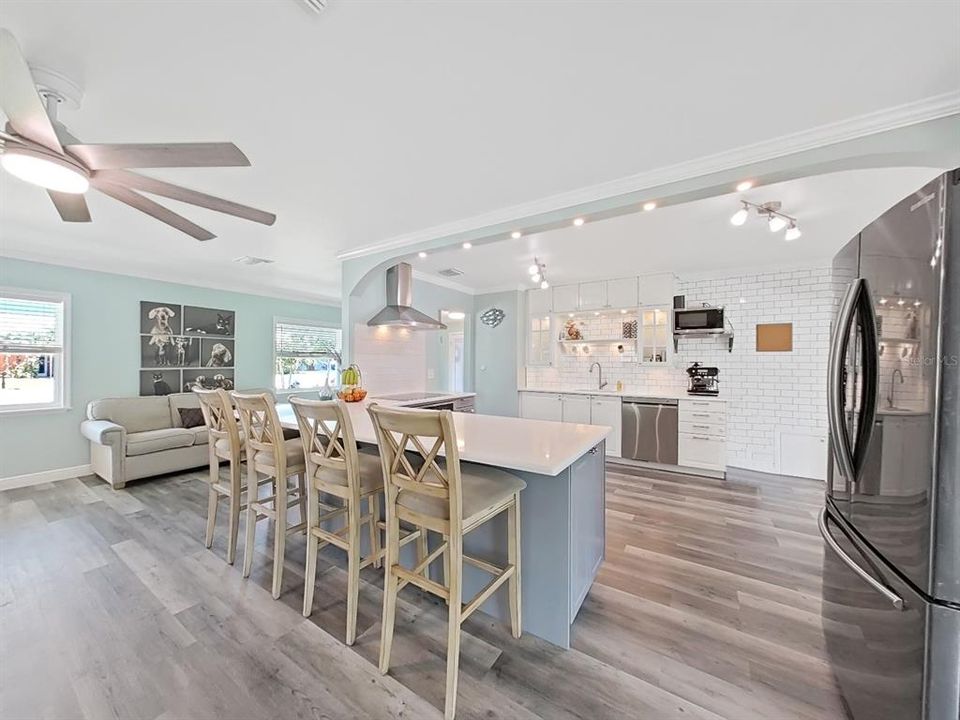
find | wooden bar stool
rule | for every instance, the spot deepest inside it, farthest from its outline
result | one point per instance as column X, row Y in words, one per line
column 225, row 443
column 278, row 460
column 335, row 468
column 451, row 499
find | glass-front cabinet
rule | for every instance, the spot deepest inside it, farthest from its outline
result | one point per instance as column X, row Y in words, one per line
column 539, row 340
column 653, row 335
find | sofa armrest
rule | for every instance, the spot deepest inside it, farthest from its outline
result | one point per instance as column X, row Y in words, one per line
column 103, row 432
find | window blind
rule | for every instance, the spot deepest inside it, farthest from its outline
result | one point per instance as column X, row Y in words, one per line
column 30, row 326
column 294, row 340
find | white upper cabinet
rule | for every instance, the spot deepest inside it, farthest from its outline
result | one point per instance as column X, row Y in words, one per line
column 566, row 298
column 539, row 301
column 657, row 289
column 622, row 293
column 593, row 295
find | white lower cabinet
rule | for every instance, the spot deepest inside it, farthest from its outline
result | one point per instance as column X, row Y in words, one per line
column 541, row 406
column 606, row 411
column 702, row 440
column 575, row 408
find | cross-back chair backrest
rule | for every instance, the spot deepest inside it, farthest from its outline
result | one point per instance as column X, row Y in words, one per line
column 219, row 416
column 422, row 434
column 261, row 426
column 328, row 439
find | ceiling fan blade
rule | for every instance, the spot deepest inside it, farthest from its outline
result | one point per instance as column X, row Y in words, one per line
column 145, row 205
column 176, row 192
column 72, row 208
column 19, row 97
column 109, row 156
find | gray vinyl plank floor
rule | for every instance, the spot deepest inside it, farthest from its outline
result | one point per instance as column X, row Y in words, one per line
column 707, row 607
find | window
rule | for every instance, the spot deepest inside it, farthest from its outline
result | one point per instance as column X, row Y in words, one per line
column 305, row 355
column 33, row 351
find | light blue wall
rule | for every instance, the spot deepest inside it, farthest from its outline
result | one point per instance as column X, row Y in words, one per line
column 105, row 354
column 496, row 355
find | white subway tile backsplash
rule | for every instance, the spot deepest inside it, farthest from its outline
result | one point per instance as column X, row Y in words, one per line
column 763, row 390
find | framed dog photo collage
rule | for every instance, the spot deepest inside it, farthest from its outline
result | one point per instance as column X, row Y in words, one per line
column 183, row 347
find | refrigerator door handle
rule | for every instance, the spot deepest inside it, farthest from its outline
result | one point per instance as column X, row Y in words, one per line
column 889, row 594
column 871, row 378
column 835, row 381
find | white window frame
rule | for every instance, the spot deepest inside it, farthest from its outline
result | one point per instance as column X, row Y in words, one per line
column 277, row 320
column 62, row 399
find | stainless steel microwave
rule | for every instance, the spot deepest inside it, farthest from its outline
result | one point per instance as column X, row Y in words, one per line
column 698, row 321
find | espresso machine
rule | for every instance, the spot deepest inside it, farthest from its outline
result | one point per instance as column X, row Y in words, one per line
column 702, row 380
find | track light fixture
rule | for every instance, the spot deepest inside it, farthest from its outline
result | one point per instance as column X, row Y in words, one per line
column 770, row 211
column 538, row 273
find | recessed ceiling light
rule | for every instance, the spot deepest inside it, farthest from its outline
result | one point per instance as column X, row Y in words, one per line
column 421, row 254
column 623, row 312
column 467, row 246
column 916, row 303
column 596, row 313
column 901, row 301
column 456, row 315
column 578, row 222
column 883, row 301
column 744, row 186
column 648, row 206
column 516, row 234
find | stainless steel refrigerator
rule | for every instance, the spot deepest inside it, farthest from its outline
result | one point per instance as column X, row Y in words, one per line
column 891, row 522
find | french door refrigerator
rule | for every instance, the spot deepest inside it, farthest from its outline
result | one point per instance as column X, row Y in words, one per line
column 891, row 522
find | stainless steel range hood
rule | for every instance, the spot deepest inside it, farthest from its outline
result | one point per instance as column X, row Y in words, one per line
column 398, row 311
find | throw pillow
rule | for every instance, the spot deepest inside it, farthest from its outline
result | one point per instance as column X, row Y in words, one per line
column 191, row 417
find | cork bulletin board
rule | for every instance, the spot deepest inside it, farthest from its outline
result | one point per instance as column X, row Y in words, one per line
column 775, row 337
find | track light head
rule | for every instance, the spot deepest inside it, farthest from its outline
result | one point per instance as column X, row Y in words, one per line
column 740, row 216
column 776, row 223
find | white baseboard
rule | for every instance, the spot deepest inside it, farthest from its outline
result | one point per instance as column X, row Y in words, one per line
column 38, row 478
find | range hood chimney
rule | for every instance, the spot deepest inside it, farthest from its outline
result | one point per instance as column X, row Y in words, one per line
column 398, row 312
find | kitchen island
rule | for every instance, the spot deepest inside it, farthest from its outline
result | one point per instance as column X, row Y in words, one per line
column 561, row 510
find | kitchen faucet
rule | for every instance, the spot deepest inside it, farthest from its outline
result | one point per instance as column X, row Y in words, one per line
column 893, row 376
column 601, row 384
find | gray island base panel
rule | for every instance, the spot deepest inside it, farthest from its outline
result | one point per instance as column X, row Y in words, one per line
column 562, row 545
column 562, row 527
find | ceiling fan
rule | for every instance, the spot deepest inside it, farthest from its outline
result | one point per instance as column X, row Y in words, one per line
column 39, row 149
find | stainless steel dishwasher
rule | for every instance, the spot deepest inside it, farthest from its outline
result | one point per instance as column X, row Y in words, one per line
column 649, row 430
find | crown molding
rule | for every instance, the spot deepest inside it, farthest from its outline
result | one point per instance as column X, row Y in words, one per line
column 924, row 110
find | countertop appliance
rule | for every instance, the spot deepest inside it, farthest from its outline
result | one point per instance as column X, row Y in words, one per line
column 891, row 522
column 703, row 380
column 705, row 320
column 432, row 401
column 649, row 430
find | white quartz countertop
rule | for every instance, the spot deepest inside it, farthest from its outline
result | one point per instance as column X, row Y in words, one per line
column 631, row 393
column 538, row 446
column 438, row 398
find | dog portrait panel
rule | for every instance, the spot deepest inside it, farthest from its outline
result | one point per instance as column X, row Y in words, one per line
column 198, row 321
column 215, row 352
column 159, row 382
column 159, row 318
column 160, row 351
column 207, row 379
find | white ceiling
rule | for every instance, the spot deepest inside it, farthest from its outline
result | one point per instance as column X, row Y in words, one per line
column 377, row 119
column 691, row 238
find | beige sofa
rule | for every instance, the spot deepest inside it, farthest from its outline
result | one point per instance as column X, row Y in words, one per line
column 138, row 437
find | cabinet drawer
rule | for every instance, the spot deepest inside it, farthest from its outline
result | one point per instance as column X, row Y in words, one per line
column 696, row 415
column 702, row 451
column 703, row 427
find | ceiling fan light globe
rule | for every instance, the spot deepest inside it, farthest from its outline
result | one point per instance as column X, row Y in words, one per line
column 47, row 172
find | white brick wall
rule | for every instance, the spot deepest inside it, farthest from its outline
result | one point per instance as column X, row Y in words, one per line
column 764, row 391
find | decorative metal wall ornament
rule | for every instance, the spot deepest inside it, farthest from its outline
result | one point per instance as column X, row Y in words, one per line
column 492, row 317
